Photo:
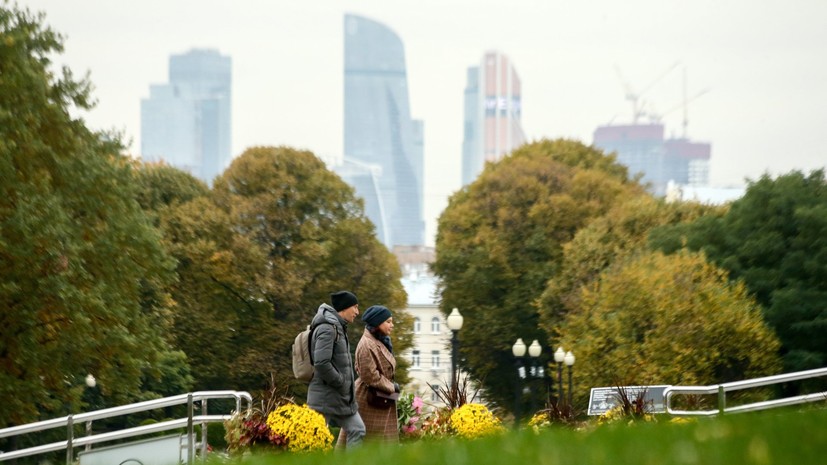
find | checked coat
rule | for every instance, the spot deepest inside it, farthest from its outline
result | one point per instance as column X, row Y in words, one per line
column 375, row 365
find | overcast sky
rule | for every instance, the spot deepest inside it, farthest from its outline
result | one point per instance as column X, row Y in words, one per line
column 760, row 67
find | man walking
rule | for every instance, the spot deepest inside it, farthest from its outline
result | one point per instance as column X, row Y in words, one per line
column 332, row 388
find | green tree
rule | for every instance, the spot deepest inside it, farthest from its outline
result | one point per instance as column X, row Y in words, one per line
column 78, row 258
column 676, row 319
column 162, row 187
column 257, row 256
column 773, row 239
column 622, row 231
column 500, row 240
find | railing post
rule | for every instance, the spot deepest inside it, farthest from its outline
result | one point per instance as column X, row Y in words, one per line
column 721, row 399
column 189, row 430
column 204, row 431
column 88, row 433
column 70, row 426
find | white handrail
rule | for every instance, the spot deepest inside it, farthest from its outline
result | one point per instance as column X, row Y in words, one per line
column 88, row 417
column 722, row 389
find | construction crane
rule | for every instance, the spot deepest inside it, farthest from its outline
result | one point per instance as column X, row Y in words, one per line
column 635, row 97
column 683, row 105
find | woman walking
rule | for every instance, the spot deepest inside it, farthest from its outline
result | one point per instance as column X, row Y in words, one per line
column 375, row 365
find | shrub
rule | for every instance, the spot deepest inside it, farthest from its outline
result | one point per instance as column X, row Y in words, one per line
column 474, row 420
column 302, row 428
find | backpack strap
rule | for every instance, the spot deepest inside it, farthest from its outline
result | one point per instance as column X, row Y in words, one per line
column 310, row 339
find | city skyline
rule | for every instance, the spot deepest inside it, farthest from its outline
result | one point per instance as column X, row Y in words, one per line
column 762, row 64
column 379, row 132
column 186, row 122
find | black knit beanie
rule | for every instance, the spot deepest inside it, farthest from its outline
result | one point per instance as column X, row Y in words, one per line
column 343, row 300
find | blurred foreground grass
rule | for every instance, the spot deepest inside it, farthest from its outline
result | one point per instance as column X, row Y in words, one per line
column 788, row 437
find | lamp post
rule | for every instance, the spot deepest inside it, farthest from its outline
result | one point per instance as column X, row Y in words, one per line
column 454, row 324
column 91, row 382
column 559, row 355
column 534, row 351
column 518, row 350
column 569, row 359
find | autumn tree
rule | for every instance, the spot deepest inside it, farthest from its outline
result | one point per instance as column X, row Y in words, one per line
column 622, row 231
column 677, row 319
column 773, row 239
column 259, row 254
column 79, row 260
column 161, row 187
column 501, row 239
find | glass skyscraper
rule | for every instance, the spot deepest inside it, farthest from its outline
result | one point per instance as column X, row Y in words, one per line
column 186, row 122
column 493, row 108
column 381, row 141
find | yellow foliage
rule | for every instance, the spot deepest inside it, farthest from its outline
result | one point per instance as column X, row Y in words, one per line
column 304, row 428
column 657, row 319
column 474, row 420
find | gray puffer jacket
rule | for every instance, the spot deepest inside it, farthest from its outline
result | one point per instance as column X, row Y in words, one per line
column 331, row 390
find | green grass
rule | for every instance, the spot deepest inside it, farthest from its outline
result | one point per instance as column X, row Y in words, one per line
column 788, row 437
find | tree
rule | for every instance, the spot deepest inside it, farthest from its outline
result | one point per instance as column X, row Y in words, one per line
column 773, row 239
column 500, row 240
column 257, row 256
column 622, row 231
column 162, row 187
column 78, row 258
column 676, row 319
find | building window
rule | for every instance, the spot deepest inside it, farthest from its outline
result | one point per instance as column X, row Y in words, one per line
column 435, row 359
column 435, row 325
column 434, row 393
column 417, row 325
column 415, row 359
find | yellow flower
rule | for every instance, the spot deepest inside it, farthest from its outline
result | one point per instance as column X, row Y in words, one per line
column 474, row 420
column 302, row 427
column 538, row 421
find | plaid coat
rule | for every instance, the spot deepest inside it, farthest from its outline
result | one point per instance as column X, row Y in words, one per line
column 375, row 366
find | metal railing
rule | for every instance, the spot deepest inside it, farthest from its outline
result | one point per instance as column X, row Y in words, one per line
column 722, row 389
column 189, row 422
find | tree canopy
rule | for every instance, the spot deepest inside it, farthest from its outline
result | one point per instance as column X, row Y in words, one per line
column 256, row 257
column 501, row 239
column 775, row 239
column 677, row 319
column 79, row 260
column 622, row 231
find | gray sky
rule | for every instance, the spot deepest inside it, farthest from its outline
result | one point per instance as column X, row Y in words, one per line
column 763, row 62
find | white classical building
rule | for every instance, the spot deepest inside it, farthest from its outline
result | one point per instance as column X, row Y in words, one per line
column 430, row 356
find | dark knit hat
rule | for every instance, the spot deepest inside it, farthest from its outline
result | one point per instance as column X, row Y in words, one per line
column 343, row 300
column 376, row 315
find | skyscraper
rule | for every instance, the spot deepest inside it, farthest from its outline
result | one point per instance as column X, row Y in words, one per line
column 493, row 107
column 186, row 122
column 643, row 149
column 380, row 138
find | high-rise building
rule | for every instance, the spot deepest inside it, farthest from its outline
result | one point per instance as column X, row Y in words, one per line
column 380, row 139
column 492, row 114
column 186, row 122
column 642, row 148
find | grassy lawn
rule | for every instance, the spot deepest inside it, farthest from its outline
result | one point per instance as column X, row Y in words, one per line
column 785, row 437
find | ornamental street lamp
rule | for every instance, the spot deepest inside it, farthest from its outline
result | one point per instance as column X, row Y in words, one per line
column 569, row 359
column 559, row 355
column 536, row 371
column 91, row 382
column 534, row 351
column 454, row 324
column 518, row 350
